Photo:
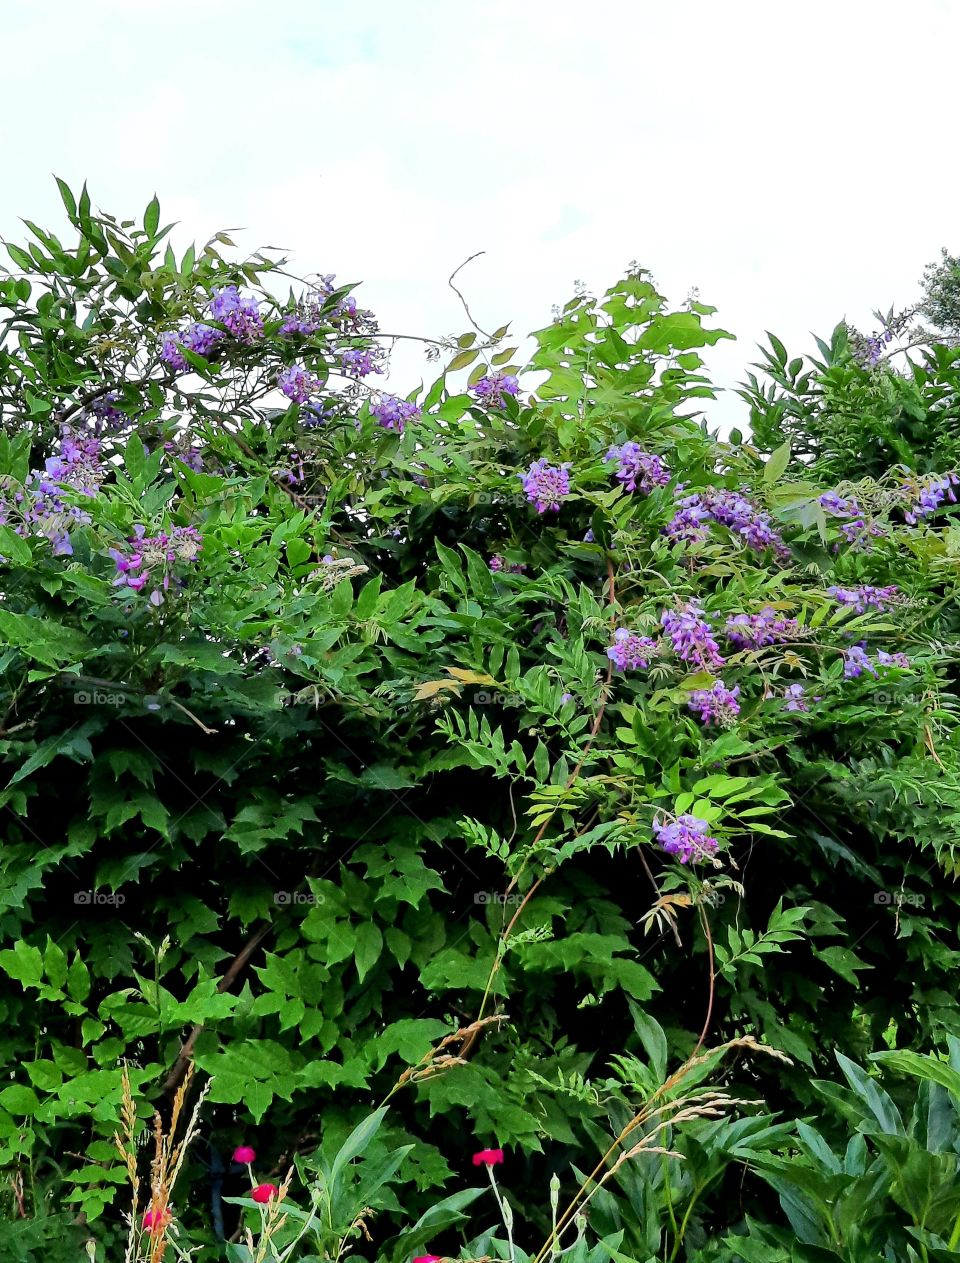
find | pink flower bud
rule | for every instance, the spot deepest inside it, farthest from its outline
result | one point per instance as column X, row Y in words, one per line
column 264, row 1192
column 244, row 1154
column 488, row 1157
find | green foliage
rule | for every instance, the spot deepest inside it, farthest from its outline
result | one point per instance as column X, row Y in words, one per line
column 344, row 789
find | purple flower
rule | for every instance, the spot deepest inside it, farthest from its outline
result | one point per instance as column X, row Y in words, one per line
column 838, row 505
column 885, row 659
column 107, row 413
column 638, row 469
column 359, row 363
column 630, row 651
column 546, row 485
column 754, row 631
column 687, row 524
column 498, row 563
column 717, row 705
column 686, row 837
column 197, row 337
column 298, row 384
column 733, row 510
column 794, row 698
column 866, row 597
column 151, row 559
column 240, row 315
column 927, row 494
column 393, row 413
column 692, row 637
column 856, row 661
column 494, row 386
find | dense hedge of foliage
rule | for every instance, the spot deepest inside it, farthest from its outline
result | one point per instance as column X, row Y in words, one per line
column 334, row 723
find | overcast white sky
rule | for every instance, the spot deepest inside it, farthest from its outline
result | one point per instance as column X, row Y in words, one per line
column 795, row 162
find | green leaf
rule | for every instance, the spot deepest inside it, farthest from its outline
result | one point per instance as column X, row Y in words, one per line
column 777, row 464
column 151, row 217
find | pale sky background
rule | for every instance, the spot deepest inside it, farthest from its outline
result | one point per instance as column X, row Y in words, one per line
column 796, row 162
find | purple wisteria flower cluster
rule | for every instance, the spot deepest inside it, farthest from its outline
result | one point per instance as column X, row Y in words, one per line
column 41, row 507
column 855, row 528
column 755, row 631
column 730, row 509
column 691, row 637
column 499, row 565
column 718, row 706
column 629, row 651
column 687, row 838
column 240, row 315
column 151, row 559
column 362, row 362
column 492, row 388
column 794, row 698
column 637, row 469
column 546, row 485
column 856, row 661
column 108, row 417
column 393, row 413
column 865, row 597
column 926, row 495
column 298, row 383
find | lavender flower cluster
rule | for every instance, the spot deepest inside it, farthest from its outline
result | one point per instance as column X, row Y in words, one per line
column 637, row 469
column 630, row 651
column 691, row 637
column 240, row 316
column 546, row 485
column 152, row 559
column 40, row 506
column 866, row 597
column 856, row 660
column 856, row 530
column 718, row 706
column 492, row 388
column 730, row 509
column 687, row 838
column 499, row 565
column 928, row 494
column 393, row 413
column 755, row 631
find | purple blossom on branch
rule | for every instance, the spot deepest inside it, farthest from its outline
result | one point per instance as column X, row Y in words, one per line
column 793, row 698
column 360, row 363
column 629, row 652
column 867, row 597
column 927, row 494
column 754, row 631
column 494, row 386
column 393, row 413
column 197, row 337
column 717, row 705
column 638, row 469
column 499, row 564
column 546, row 485
column 686, row 837
column 692, row 637
column 151, row 559
column 298, row 384
column 241, row 315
